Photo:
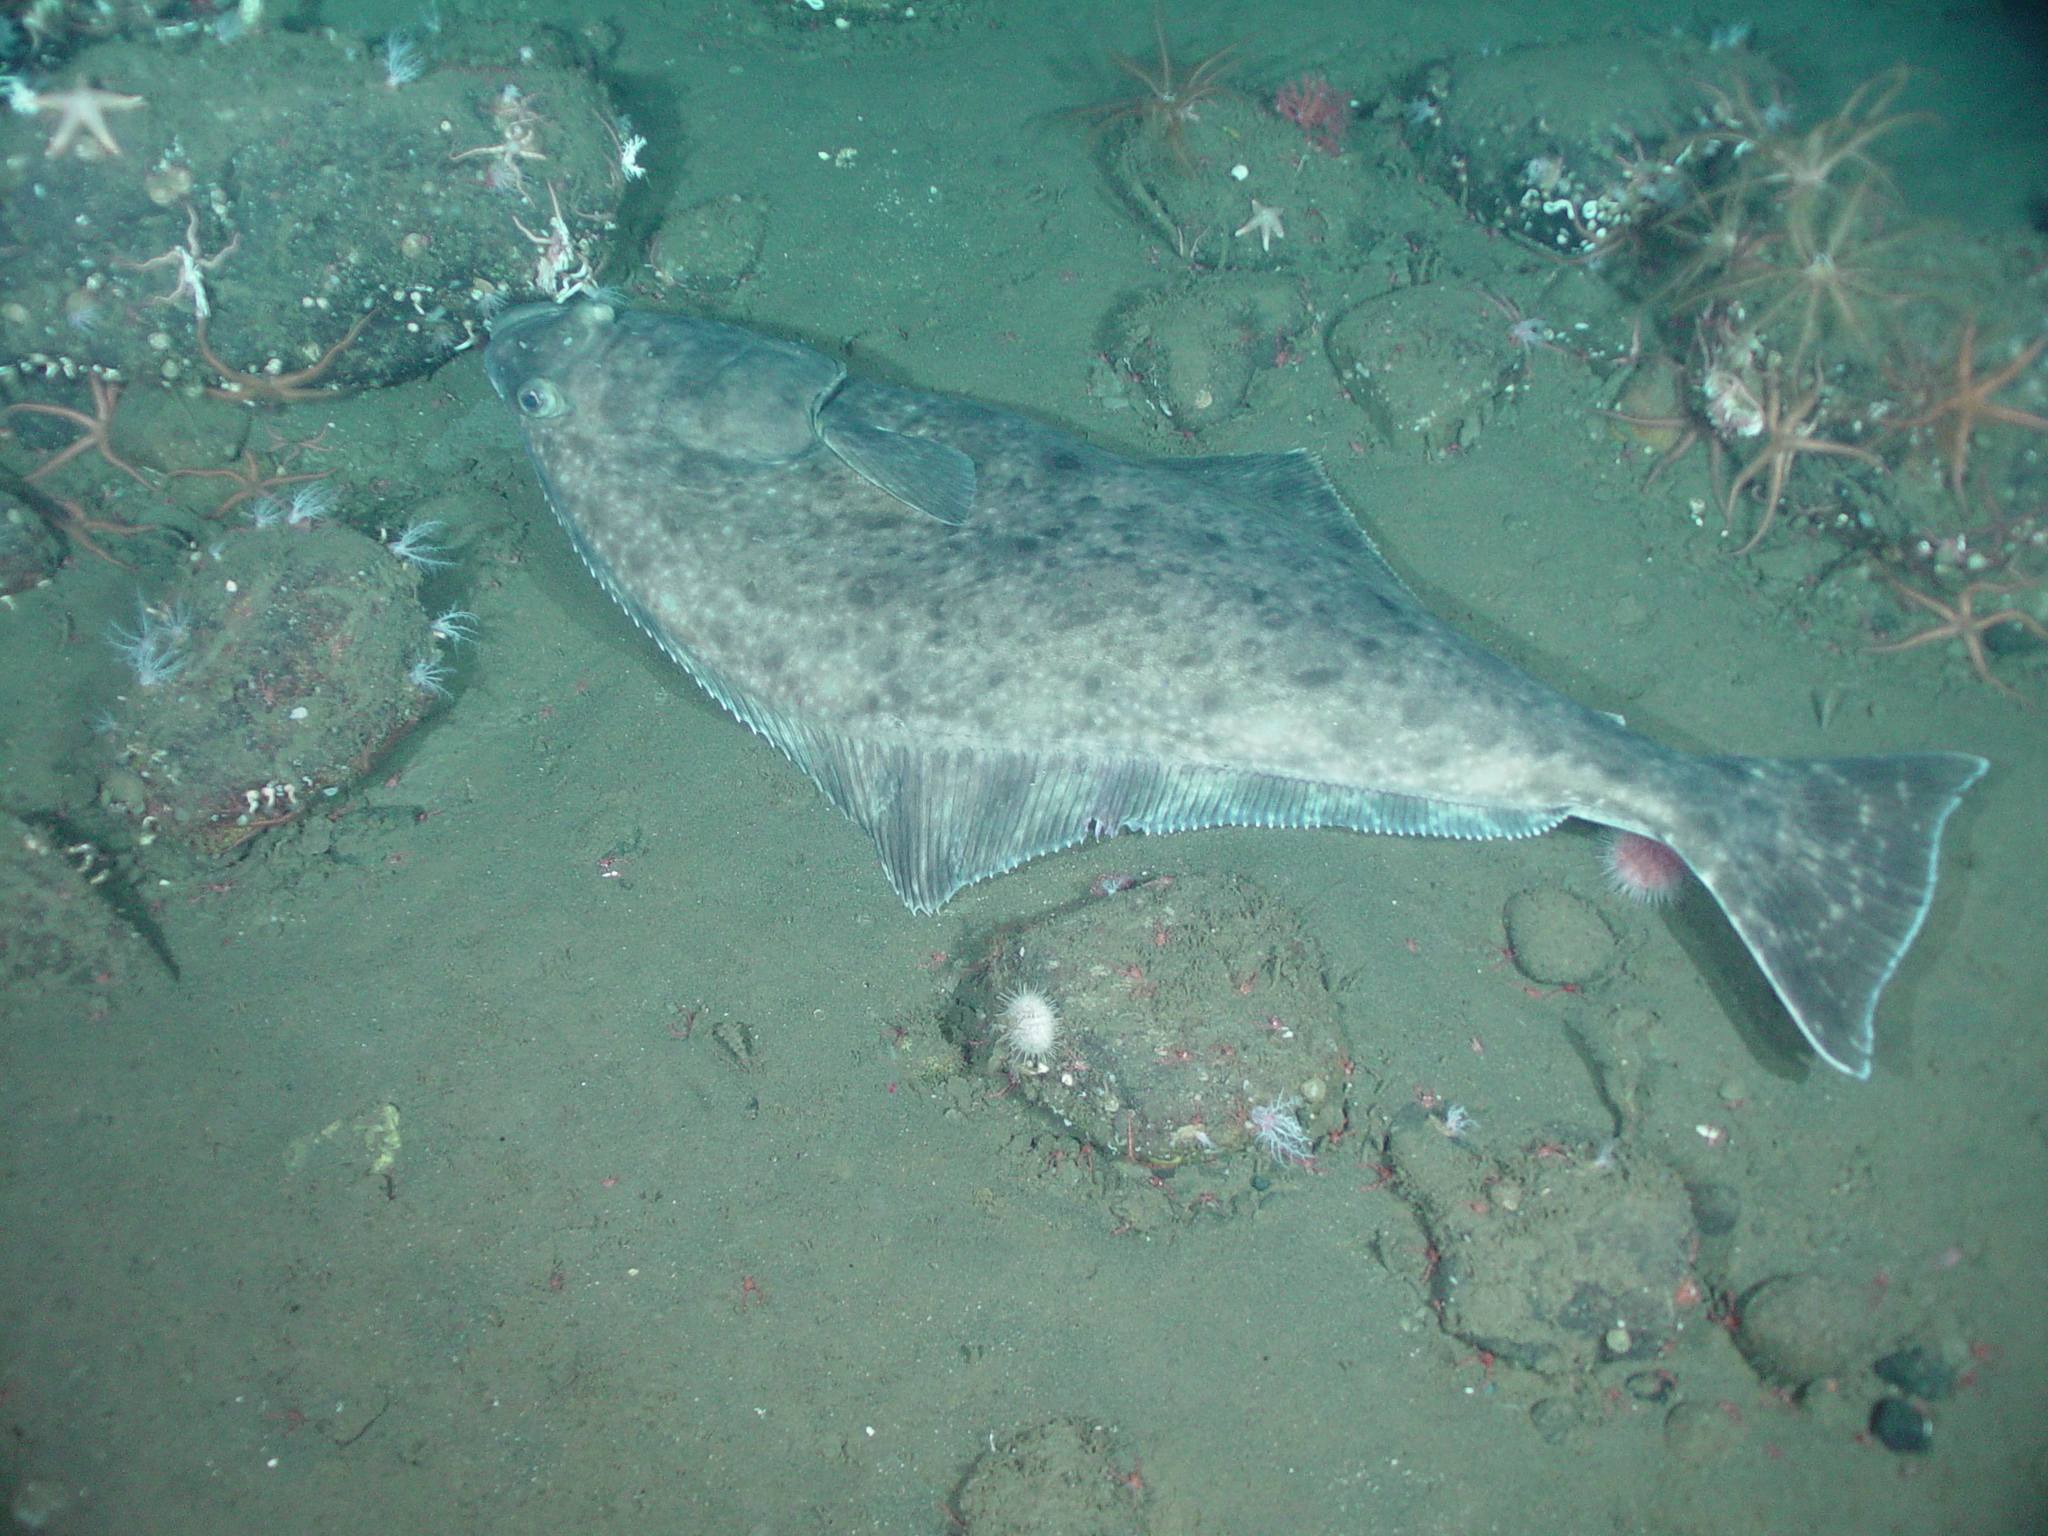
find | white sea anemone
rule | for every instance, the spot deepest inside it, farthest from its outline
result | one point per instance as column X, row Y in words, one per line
column 1031, row 1027
column 404, row 59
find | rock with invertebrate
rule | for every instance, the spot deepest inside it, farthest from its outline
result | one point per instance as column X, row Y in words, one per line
column 280, row 667
column 1174, row 1020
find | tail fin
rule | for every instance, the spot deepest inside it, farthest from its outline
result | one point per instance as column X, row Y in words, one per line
column 1826, row 870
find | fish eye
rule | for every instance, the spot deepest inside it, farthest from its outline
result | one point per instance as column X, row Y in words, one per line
column 539, row 397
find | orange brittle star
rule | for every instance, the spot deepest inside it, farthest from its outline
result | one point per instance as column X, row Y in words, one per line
column 1789, row 433
column 106, row 397
column 1972, row 402
column 278, row 388
column 250, row 482
column 1962, row 621
column 76, row 525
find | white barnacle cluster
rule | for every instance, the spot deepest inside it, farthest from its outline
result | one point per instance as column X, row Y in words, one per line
column 1583, row 220
column 269, row 801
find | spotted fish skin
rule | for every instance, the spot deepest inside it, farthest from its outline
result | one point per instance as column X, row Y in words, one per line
column 985, row 639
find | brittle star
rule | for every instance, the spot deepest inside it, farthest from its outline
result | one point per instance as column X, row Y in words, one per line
column 71, row 520
column 518, row 144
column 1972, row 402
column 1790, row 432
column 1685, row 429
column 250, row 482
column 278, row 388
column 1964, row 623
column 192, row 263
column 106, row 396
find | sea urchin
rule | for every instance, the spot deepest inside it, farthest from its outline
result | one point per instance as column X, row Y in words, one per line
column 1031, row 1027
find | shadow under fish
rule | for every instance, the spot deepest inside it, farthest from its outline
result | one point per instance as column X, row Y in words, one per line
column 985, row 640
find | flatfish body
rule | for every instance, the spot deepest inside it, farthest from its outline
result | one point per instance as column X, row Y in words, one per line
column 985, row 639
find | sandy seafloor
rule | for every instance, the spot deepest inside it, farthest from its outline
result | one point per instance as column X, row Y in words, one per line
column 541, row 1323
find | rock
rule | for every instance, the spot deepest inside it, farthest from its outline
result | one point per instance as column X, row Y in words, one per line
column 1654, row 1386
column 1902, row 1426
column 1187, row 1007
column 1199, row 182
column 29, row 552
column 1558, row 938
column 1615, row 1045
column 1795, row 1329
column 1194, row 350
column 1923, row 1370
column 1591, row 1262
column 323, row 197
column 38, row 1502
column 1427, row 365
column 1058, row 1479
column 709, row 248
column 1555, row 1418
column 1716, row 1207
column 1527, row 139
column 1700, row 1433
column 289, row 658
column 59, row 926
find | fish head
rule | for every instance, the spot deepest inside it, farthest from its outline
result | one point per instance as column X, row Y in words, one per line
column 698, row 388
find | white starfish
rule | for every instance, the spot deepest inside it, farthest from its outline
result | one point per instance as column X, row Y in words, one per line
column 1265, row 223
column 83, row 109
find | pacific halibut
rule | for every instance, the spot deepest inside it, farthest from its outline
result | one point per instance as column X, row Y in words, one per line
column 984, row 640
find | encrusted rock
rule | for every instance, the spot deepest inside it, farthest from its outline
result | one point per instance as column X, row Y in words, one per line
column 281, row 667
column 1549, row 1260
column 1060, row 1476
column 278, row 190
column 1193, row 1020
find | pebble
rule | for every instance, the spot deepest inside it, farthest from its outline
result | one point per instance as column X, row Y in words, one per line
column 1557, row 938
column 1902, row 1426
column 1919, row 1371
